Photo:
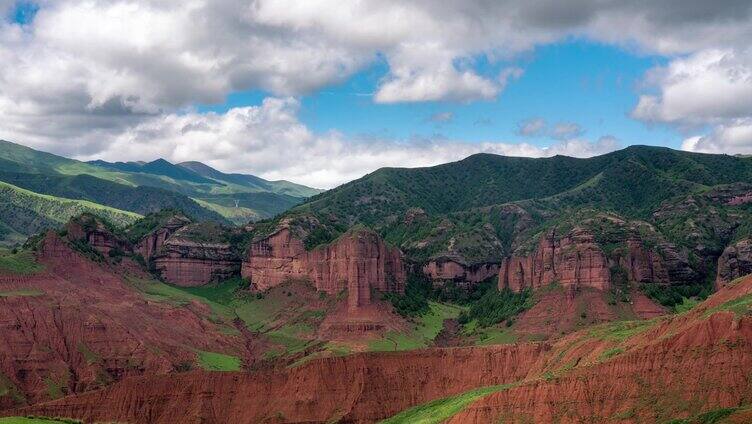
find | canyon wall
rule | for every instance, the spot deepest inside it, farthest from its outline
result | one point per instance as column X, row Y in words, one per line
column 90, row 230
column 75, row 325
column 440, row 270
column 572, row 260
column 358, row 261
column 575, row 259
column 735, row 262
column 668, row 368
column 188, row 263
column 150, row 244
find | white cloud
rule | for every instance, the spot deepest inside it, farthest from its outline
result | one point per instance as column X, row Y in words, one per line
column 88, row 73
column 441, row 117
column 537, row 127
column 532, row 127
column 734, row 138
column 270, row 141
column 566, row 130
column 706, row 87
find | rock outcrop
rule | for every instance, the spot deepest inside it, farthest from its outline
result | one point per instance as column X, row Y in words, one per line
column 358, row 261
column 440, row 270
column 573, row 260
column 188, row 263
column 656, row 371
column 576, row 259
column 182, row 259
column 735, row 262
column 152, row 242
column 91, row 230
column 76, row 325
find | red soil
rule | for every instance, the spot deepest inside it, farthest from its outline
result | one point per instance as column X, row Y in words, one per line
column 676, row 366
column 83, row 326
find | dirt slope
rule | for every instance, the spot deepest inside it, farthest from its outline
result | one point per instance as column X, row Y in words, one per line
column 639, row 371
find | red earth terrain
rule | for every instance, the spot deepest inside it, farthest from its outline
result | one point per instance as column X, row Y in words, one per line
column 637, row 371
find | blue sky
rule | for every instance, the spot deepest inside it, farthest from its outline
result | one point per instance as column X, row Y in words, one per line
column 322, row 94
column 578, row 81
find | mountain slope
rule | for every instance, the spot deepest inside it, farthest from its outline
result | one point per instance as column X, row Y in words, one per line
column 251, row 181
column 642, row 371
column 23, row 212
column 147, row 187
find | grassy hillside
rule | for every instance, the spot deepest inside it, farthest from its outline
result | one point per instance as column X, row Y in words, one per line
column 486, row 206
column 23, row 212
column 205, row 194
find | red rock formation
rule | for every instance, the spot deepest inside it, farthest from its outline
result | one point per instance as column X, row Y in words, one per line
column 151, row 243
column 361, row 388
column 572, row 260
column 676, row 367
column 735, row 262
column 642, row 265
column 187, row 263
column 92, row 231
column 77, row 326
column 448, row 269
column 358, row 261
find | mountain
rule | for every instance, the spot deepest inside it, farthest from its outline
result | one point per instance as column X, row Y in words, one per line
column 137, row 187
column 615, row 288
column 251, row 181
column 156, row 167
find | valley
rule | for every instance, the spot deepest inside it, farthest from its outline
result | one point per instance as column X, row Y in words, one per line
column 612, row 289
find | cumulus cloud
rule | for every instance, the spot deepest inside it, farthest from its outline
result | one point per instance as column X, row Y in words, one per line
column 706, row 87
column 566, row 130
column 86, row 73
column 733, row 138
column 270, row 141
column 537, row 127
column 711, row 87
column 532, row 127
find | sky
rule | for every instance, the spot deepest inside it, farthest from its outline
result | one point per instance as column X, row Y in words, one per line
column 322, row 92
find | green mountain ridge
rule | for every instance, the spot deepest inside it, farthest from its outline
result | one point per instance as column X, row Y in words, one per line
column 486, row 207
column 141, row 188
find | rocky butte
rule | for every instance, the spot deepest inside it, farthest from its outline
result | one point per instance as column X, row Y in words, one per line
column 359, row 261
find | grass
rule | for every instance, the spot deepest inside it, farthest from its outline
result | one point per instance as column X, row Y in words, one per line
column 440, row 410
column 22, row 262
column 739, row 306
column 213, row 361
column 610, row 353
column 622, row 330
column 21, row 293
column 686, row 305
column 427, row 327
column 495, row 335
column 60, row 209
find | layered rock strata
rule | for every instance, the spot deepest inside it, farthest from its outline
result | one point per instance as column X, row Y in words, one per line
column 735, row 262
column 358, row 261
column 572, row 260
column 450, row 270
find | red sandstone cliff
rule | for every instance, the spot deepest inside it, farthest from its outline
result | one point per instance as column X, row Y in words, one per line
column 358, row 261
column 91, row 230
column 77, row 325
column 572, row 260
column 183, row 261
column 448, row 269
column 735, row 262
column 188, row 263
column 575, row 259
column 151, row 243
column 674, row 367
